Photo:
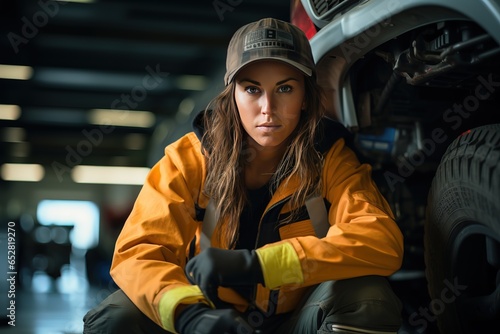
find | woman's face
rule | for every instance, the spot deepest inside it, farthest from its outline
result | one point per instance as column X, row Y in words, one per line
column 270, row 97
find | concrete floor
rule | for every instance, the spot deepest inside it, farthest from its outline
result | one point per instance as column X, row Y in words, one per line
column 61, row 310
column 51, row 312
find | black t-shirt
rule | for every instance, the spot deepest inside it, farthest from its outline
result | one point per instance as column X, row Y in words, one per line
column 249, row 226
column 250, row 217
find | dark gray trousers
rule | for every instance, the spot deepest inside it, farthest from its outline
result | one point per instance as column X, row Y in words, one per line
column 358, row 305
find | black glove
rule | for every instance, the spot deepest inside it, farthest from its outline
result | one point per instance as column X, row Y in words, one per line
column 201, row 319
column 216, row 267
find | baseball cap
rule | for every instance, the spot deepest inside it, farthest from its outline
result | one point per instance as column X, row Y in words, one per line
column 268, row 38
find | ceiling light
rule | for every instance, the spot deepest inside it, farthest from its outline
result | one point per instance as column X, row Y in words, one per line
column 109, row 175
column 16, row 72
column 10, row 112
column 116, row 117
column 192, row 82
column 22, row 172
column 13, row 135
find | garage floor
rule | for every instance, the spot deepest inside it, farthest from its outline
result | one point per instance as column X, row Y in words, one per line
column 50, row 313
column 58, row 313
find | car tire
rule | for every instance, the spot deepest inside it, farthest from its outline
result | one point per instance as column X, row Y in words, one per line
column 462, row 235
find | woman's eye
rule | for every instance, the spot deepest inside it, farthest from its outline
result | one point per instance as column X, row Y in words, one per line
column 251, row 90
column 285, row 89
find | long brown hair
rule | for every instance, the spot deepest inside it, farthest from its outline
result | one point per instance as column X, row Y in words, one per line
column 227, row 154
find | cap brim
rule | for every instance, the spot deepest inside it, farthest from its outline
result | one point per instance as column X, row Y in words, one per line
column 306, row 70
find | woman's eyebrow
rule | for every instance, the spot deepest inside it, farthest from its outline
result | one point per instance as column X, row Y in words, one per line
column 283, row 81
column 258, row 83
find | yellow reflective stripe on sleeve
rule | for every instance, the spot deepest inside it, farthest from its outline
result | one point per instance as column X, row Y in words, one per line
column 280, row 265
column 190, row 294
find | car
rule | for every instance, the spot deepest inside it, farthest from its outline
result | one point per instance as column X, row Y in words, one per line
column 417, row 83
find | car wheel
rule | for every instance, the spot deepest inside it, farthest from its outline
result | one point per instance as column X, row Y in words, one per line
column 462, row 235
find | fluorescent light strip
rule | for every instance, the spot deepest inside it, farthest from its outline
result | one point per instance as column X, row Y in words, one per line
column 16, row 72
column 13, row 134
column 109, row 175
column 22, row 172
column 10, row 112
column 117, row 117
column 192, row 82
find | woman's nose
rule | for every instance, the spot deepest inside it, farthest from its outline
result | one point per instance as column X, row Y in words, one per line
column 267, row 103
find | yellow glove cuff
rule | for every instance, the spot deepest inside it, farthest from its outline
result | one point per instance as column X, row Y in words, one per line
column 190, row 294
column 280, row 265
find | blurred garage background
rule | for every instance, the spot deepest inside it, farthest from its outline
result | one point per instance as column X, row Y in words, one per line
column 90, row 93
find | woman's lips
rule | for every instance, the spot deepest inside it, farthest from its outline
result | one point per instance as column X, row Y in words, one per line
column 268, row 127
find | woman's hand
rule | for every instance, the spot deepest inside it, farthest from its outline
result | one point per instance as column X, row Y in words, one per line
column 216, row 267
column 201, row 319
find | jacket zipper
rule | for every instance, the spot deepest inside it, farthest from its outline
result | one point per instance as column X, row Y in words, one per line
column 254, row 292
